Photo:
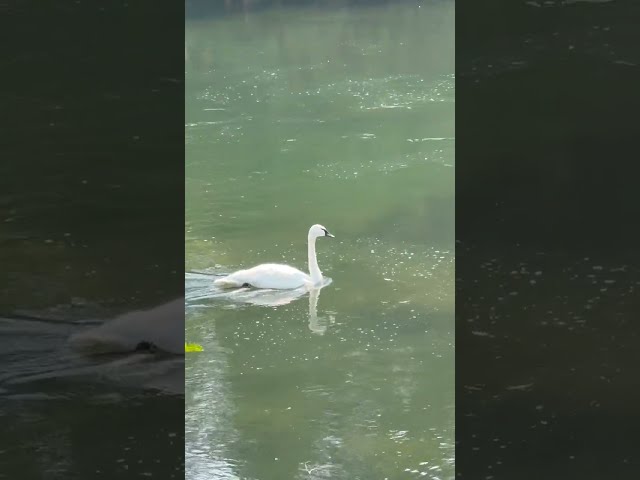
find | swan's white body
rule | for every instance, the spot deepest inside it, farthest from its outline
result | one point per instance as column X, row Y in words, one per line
column 267, row 275
column 277, row 276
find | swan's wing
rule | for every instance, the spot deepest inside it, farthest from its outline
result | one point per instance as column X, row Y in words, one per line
column 272, row 269
column 271, row 275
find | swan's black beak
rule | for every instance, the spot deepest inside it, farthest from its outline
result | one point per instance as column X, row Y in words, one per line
column 327, row 234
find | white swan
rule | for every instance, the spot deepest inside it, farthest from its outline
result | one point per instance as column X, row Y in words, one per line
column 280, row 277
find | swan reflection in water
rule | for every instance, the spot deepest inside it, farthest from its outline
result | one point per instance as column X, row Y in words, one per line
column 316, row 325
column 201, row 288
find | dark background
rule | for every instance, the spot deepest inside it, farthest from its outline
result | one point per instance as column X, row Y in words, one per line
column 546, row 221
column 91, row 217
column 547, row 120
column 92, row 147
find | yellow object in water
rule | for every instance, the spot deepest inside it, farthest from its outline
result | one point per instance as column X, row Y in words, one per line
column 192, row 347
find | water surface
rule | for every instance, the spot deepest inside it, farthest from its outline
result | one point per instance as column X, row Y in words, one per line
column 341, row 117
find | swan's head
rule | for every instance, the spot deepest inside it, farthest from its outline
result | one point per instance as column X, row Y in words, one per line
column 319, row 231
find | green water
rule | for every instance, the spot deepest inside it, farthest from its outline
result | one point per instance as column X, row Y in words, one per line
column 344, row 118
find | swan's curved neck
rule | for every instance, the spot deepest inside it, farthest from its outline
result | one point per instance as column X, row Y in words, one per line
column 314, row 270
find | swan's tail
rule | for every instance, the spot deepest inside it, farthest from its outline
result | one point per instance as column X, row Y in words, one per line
column 227, row 282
